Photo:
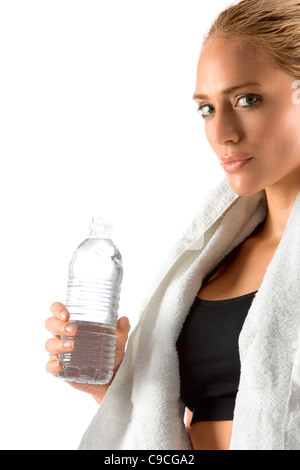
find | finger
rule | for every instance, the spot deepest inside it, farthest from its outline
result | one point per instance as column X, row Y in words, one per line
column 59, row 311
column 60, row 328
column 122, row 330
column 53, row 366
column 59, row 346
column 53, row 357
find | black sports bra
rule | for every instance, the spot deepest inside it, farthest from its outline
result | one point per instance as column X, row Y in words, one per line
column 209, row 357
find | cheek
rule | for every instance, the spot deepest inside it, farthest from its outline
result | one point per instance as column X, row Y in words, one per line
column 282, row 138
column 282, row 122
column 276, row 136
column 207, row 130
column 291, row 129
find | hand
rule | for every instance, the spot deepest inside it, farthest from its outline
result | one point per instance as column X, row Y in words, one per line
column 59, row 326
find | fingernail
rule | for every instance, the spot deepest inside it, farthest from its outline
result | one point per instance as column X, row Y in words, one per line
column 71, row 329
column 68, row 344
column 63, row 315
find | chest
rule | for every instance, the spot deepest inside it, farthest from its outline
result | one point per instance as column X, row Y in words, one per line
column 241, row 273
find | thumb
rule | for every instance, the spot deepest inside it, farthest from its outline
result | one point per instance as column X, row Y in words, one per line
column 122, row 331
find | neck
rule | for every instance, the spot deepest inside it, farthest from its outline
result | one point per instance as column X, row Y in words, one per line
column 280, row 200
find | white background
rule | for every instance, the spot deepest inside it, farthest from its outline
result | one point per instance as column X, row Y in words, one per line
column 96, row 117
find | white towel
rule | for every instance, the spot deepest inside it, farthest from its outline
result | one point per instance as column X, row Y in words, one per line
column 142, row 409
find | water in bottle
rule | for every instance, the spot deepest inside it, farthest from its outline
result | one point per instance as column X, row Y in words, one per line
column 95, row 275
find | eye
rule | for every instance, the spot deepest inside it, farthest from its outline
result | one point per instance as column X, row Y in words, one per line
column 248, row 100
column 205, row 110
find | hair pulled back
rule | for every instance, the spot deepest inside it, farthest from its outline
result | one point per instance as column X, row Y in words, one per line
column 271, row 26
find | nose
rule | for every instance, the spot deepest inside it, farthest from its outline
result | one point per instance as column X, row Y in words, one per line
column 225, row 128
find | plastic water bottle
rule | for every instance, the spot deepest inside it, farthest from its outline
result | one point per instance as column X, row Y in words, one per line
column 95, row 275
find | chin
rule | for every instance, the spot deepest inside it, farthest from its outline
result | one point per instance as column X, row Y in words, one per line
column 242, row 187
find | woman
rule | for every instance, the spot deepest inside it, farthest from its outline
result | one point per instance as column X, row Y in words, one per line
column 234, row 275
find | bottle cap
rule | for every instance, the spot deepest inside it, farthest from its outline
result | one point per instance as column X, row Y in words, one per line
column 101, row 227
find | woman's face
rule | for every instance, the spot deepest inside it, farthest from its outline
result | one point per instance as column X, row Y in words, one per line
column 251, row 121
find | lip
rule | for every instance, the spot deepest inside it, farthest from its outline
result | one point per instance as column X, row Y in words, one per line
column 235, row 162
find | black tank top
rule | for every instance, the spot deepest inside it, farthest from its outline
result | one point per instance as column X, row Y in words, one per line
column 209, row 357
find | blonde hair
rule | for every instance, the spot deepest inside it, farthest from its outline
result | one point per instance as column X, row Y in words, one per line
column 271, row 26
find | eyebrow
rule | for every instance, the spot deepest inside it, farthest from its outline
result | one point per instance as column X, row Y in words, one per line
column 228, row 91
